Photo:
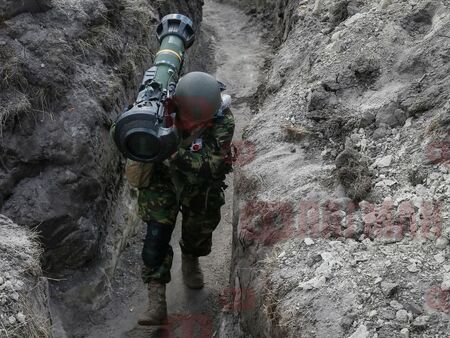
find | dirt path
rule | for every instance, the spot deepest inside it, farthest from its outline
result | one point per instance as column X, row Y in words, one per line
column 240, row 54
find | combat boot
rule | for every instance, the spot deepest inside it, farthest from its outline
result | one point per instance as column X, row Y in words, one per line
column 156, row 313
column 192, row 273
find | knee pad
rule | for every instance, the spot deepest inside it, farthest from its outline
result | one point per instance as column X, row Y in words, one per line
column 156, row 244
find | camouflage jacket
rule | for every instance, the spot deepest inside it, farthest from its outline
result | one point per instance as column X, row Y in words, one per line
column 214, row 158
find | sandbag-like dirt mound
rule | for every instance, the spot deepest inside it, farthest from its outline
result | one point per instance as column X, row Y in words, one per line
column 342, row 215
column 23, row 290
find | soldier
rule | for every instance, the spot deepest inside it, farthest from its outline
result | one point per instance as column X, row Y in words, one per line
column 192, row 181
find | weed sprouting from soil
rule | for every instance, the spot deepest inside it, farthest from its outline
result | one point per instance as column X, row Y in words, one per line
column 16, row 103
column 110, row 42
column 270, row 300
column 11, row 73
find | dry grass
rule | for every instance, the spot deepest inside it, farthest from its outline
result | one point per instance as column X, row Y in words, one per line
column 83, row 47
column 110, row 40
column 126, row 19
column 295, row 132
column 41, row 98
column 132, row 16
column 17, row 95
column 127, row 72
column 67, row 7
column 36, row 325
column 139, row 14
column 11, row 72
column 138, row 17
column 270, row 303
column 102, row 40
column 20, row 260
column 354, row 174
column 438, row 126
column 356, row 181
column 142, row 55
column 132, row 64
column 247, row 187
column 281, row 320
column 16, row 103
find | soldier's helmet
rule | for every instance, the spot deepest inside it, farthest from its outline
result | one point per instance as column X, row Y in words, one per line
column 198, row 98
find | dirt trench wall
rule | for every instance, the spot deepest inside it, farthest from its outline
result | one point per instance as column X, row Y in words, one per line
column 341, row 215
column 67, row 68
column 278, row 15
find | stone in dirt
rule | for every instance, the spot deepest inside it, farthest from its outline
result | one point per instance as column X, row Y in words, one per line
column 442, row 243
column 413, row 308
column 445, row 286
column 383, row 162
column 402, row 315
column 314, row 283
column 440, row 258
column 388, row 288
column 373, row 313
column 361, row 332
column 421, row 322
column 21, row 317
column 404, row 333
column 308, row 241
column 396, row 305
column 413, row 268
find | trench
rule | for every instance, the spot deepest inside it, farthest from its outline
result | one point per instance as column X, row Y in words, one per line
column 357, row 109
column 239, row 56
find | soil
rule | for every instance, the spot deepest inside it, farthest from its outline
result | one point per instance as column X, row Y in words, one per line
column 341, row 218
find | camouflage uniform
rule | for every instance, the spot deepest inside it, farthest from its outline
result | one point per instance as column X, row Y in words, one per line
column 193, row 182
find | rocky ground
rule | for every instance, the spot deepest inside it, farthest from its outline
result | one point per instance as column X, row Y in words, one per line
column 341, row 218
column 23, row 290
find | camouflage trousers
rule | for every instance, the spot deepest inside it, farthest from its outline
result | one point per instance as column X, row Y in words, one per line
column 159, row 205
